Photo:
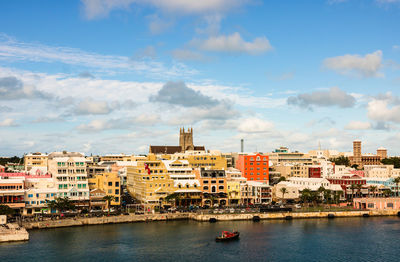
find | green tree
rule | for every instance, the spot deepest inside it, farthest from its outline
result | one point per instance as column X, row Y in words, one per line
column 6, row 210
column 395, row 161
column 282, row 178
column 341, row 160
column 321, row 193
column 109, row 198
column 397, row 181
column 306, row 196
column 373, row 189
column 352, row 187
column 283, row 191
column 61, row 204
column 359, row 187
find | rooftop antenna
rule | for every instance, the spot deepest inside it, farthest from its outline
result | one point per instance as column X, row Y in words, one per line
column 319, row 145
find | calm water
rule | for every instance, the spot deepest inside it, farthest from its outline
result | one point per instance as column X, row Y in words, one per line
column 340, row 239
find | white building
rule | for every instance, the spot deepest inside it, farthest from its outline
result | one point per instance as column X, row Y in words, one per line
column 70, row 177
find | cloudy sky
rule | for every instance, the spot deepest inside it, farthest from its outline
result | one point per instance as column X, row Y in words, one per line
column 114, row 76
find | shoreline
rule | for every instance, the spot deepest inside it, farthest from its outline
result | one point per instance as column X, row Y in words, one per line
column 202, row 218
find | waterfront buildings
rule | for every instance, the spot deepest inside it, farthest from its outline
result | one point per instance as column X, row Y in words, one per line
column 12, row 192
column 109, row 183
column 254, row 167
column 295, row 185
column 148, row 181
column 376, row 203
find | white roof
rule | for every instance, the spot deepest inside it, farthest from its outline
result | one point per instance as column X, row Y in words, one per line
column 188, row 190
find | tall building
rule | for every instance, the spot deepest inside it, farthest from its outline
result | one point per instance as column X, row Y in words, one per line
column 367, row 159
column 186, row 139
column 381, row 152
column 357, row 152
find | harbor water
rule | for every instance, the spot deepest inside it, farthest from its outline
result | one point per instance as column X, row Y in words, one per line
column 339, row 239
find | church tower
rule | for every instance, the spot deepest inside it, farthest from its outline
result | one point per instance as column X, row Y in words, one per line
column 186, row 139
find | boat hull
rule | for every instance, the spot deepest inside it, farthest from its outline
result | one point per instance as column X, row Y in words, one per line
column 230, row 238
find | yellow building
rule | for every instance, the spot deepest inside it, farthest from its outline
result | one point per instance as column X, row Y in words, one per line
column 117, row 157
column 201, row 159
column 35, row 160
column 148, row 181
column 233, row 191
column 110, row 183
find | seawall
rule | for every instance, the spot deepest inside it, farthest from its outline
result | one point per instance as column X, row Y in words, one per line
column 291, row 215
column 68, row 222
column 13, row 232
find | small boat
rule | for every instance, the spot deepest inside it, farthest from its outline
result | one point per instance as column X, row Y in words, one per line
column 227, row 236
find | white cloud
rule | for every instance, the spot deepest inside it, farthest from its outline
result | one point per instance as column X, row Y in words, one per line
column 233, row 44
column 92, row 107
column 363, row 66
column 101, row 8
column 7, row 122
column 97, row 125
column 255, row 125
column 384, row 109
column 13, row 50
column 358, row 125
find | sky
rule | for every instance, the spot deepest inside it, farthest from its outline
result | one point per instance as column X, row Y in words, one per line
column 115, row 76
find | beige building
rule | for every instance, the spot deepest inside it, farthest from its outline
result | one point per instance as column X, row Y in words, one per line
column 38, row 191
column 292, row 169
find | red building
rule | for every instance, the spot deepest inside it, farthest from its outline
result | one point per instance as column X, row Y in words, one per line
column 346, row 181
column 314, row 172
column 254, row 167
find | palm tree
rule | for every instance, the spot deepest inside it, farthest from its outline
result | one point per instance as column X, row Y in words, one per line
column 306, row 195
column 352, row 187
column 373, row 189
column 321, row 192
column 109, row 198
column 359, row 187
column 397, row 181
column 283, row 191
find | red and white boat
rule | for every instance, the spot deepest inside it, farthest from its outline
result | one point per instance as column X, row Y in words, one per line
column 227, row 236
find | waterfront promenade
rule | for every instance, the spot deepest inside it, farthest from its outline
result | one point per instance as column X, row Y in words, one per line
column 201, row 217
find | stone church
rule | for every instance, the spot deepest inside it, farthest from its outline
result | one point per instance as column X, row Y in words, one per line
column 185, row 144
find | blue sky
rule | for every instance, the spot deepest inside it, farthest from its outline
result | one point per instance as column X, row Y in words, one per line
column 111, row 76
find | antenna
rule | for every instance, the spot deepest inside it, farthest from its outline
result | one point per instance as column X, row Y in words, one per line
column 319, row 145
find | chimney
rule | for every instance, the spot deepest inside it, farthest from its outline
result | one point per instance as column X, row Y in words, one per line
column 241, row 145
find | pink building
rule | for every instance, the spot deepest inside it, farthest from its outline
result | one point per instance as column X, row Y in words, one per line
column 373, row 203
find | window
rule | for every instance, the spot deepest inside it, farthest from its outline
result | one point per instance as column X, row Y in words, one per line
column 117, row 191
column 371, row 205
column 116, row 183
column 221, row 187
column 116, row 199
column 109, row 183
column 390, row 205
column 30, row 195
